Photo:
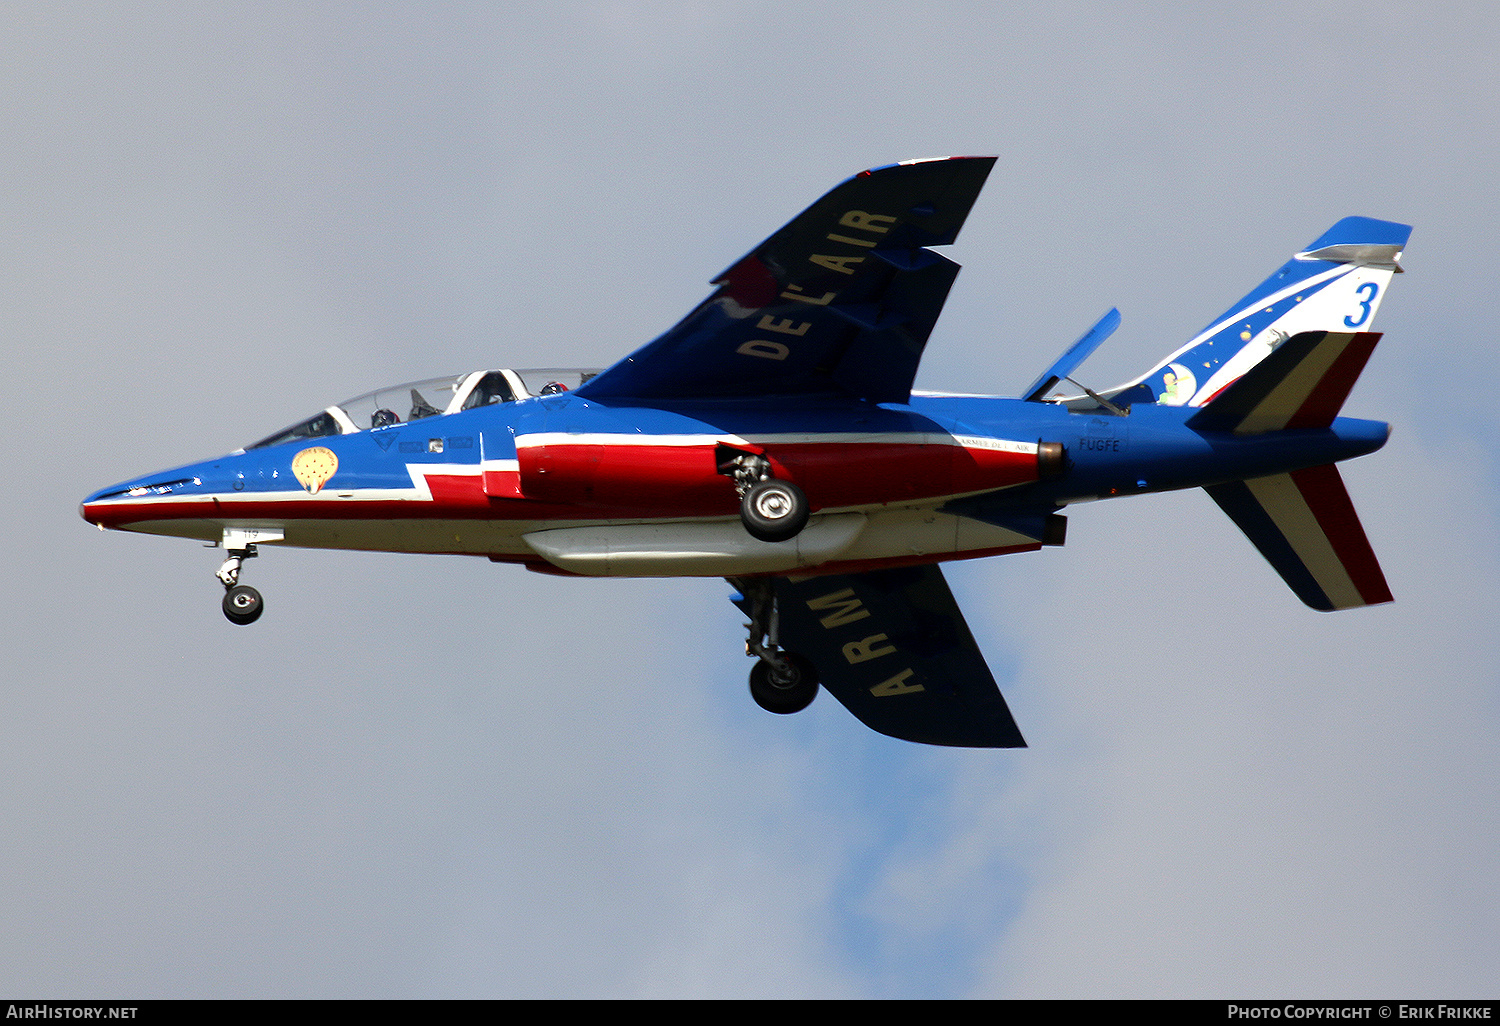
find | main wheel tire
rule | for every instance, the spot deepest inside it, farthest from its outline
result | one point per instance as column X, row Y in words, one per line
column 786, row 692
column 774, row 510
column 243, row 604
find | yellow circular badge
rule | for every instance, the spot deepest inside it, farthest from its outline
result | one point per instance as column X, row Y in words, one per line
column 313, row 467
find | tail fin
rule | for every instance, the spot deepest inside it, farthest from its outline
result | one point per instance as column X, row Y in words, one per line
column 1335, row 285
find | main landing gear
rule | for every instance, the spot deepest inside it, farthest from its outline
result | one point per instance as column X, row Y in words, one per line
column 771, row 510
column 242, row 603
column 781, row 682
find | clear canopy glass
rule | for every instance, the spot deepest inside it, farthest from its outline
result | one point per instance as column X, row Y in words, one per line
column 432, row 397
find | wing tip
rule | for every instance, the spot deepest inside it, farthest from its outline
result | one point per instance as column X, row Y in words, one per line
column 923, row 160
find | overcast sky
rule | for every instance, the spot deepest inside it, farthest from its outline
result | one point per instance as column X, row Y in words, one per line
column 432, row 776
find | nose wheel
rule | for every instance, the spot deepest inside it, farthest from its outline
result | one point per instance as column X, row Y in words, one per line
column 242, row 604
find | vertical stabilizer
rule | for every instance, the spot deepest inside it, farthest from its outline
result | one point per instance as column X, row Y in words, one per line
column 1335, row 285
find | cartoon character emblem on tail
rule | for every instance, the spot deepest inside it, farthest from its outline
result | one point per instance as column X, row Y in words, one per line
column 313, row 467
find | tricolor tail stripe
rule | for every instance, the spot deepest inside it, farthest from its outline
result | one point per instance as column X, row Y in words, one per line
column 1327, row 397
column 1303, row 384
column 1306, row 527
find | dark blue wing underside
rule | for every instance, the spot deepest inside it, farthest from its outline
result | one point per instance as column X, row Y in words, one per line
column 893, row 647
column 840, row 300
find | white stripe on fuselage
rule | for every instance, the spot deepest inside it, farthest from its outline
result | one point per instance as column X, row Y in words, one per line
column 544, row 438
column 421, row 491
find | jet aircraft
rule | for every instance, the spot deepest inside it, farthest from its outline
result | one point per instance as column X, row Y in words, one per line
column 772, row 437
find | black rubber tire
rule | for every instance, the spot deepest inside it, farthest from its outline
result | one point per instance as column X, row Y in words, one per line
column 788, row 694
column 243, row 605
column 773, row 510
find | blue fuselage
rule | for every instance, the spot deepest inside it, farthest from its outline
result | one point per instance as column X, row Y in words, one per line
column 541, row 480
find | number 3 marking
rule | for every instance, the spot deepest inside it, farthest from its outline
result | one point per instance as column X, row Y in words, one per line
column 1368, row 290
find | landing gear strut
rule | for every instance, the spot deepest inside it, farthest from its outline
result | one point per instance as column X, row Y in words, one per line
column 772, row 510
column 781, row 682
column 242, row 603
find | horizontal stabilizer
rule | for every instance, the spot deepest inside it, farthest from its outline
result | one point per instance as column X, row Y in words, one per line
column 893, row 647
column 1306, row 527
column 1302, row 384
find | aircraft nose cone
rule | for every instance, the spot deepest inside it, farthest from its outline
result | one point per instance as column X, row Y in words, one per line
column 131, row 501
column 96, row 512
column 89, row 511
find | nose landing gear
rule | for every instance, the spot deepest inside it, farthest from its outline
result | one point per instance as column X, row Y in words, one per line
column 242, row 603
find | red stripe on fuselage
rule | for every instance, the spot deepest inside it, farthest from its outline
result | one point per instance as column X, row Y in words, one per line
column 684, row 479
column 592, row 482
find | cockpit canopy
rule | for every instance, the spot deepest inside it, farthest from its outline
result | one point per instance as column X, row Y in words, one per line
column 434, row 397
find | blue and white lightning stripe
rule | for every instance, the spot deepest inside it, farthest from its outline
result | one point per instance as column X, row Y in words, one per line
column 1336, row 284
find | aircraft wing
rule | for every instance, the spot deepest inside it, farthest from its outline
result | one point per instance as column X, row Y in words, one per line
column 893, row 647
column 841, row 299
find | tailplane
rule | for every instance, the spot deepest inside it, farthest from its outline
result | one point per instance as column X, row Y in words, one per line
column 1301, row 384
column 1302, row 521
column 1306, row 527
